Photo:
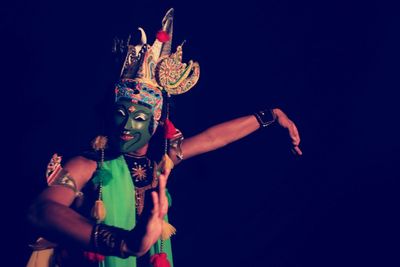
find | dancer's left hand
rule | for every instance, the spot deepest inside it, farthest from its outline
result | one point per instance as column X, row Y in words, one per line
column 287, row 123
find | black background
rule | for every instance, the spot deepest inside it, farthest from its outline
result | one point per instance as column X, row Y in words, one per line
column 332, row 66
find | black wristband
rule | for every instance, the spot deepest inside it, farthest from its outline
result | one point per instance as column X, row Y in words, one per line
column 109, row 240
column 265, row 117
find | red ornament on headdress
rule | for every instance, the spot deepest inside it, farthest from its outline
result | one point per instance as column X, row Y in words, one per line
column 163, row 36
column 160, row 260
column 169, row 128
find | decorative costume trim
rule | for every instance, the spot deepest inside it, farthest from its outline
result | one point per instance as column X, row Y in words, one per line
column 141, row 92
column 159, row 260
column 53, row 168
column 175, row 143
column 57, row 176
column 109, row 240
column 99, row 211
column 177, row 77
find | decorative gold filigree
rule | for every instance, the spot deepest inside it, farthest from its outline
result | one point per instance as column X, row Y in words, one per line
column 177, row 77
column 139, row 173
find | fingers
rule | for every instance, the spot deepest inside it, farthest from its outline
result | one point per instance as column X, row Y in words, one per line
column 156, row 203
column 294, row 135
column 160, row 201
column 297, row 151
column 285, row 122
column 162, row 198
column 162, row 182
column 159, row 198
column 167, row 172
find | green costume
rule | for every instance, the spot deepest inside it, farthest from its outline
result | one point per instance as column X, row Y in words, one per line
column 118, row 194
column 150, row 75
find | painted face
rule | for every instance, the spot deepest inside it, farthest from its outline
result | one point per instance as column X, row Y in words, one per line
column 132, row 123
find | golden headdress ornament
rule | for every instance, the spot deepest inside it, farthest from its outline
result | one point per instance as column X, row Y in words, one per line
column 156, row 66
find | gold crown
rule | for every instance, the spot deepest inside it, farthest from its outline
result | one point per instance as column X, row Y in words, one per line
column 156, row 66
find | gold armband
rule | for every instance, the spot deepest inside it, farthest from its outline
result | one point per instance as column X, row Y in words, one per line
column 56, row 175
column 63, row 178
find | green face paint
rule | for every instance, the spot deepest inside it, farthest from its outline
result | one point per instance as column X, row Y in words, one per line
column 132, row 123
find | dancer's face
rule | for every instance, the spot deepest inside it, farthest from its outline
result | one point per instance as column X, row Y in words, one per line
column 132, row 125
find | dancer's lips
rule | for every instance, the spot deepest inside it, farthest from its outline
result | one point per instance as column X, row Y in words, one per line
column 126, row 137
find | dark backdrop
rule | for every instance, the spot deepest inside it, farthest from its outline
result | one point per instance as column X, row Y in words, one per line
column 332, row 66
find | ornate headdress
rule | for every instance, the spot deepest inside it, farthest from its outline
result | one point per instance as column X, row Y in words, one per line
column 151, row 73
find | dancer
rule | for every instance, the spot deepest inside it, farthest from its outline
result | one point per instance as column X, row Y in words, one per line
column 107, row 207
